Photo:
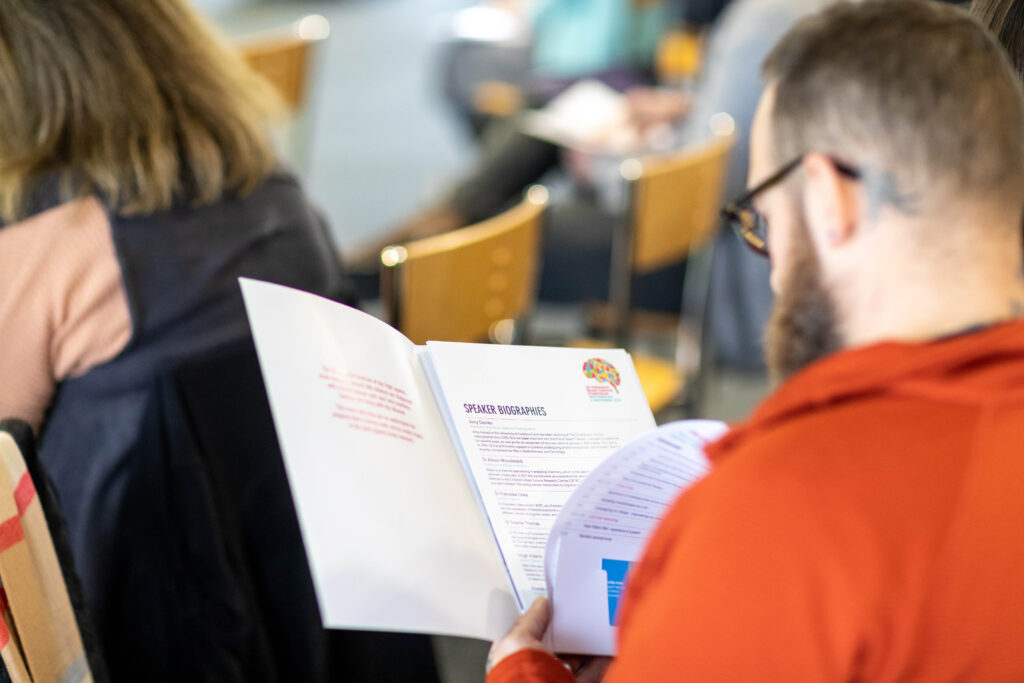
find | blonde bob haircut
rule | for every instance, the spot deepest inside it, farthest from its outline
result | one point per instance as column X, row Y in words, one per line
column 137, row 101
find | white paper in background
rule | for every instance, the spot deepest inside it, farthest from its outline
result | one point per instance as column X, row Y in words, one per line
column 533, row 422
column 588, row 114
column 606, row 523
column 395, row 538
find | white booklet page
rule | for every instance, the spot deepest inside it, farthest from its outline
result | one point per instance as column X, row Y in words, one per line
column 603, row 528
column 587, row 115
column 531, row 423
column 394, row 534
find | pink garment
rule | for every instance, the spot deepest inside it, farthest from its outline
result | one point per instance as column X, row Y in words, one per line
column 63, row 308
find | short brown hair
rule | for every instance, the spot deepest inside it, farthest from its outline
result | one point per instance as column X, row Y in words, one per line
column 917, row 93
column 135, row 100
column 1005, row 18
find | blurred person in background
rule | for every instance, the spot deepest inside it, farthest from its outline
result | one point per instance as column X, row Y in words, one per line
column 547, row 46
column 137, row 183
column 578, row 233
column 864, row 523
column 612, row 41
column 745, row 32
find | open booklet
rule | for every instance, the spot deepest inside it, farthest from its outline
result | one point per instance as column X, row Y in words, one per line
column 430, row 481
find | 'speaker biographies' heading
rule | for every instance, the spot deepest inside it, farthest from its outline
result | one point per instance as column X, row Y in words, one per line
column 488, row 409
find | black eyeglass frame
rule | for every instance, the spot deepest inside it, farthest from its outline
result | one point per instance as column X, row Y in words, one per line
column 733, row 211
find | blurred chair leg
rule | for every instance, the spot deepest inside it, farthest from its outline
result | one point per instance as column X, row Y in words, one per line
column 697, row 296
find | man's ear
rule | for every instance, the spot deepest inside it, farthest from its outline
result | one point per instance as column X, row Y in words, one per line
column 831, row 206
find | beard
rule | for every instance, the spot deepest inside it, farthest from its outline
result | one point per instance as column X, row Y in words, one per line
column 803, row 324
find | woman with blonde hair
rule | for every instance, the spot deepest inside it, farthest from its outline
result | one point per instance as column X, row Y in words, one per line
column 137, row 183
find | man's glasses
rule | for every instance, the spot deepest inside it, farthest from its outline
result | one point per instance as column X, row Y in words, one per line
column 749, row 223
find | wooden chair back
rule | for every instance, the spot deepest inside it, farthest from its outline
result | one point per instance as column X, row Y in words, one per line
column 284, row 56
column 46, row 632
column 673, row 204
column 463, row 285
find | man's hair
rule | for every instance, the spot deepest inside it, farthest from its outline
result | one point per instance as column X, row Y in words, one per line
column 917, row 94
column 1005, row 18
column 135, row 100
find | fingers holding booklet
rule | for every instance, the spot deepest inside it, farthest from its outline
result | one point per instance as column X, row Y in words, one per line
column 441, row 489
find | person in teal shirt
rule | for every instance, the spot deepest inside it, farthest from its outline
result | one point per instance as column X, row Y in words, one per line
column 576, row 38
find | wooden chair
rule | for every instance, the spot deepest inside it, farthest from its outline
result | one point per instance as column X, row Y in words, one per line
column 671, row 215
column 473, row 284
column 45, row 632
column 284, row 57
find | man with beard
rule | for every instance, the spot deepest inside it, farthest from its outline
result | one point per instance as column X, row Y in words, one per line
column 865, row 523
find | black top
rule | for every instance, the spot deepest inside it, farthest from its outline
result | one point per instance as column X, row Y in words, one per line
column 164, row 575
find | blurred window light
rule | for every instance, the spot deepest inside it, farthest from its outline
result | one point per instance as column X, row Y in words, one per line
column 503, row 331
column 631, row 169
column 392, row 256
column 487, row 25
column 537, row 194
column 313, row 27
column 722, row 124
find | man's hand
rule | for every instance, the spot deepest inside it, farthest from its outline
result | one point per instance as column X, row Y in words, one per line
column 586, row 669
column 526, row 634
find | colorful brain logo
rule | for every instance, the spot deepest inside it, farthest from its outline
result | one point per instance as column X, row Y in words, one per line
column 602, row 371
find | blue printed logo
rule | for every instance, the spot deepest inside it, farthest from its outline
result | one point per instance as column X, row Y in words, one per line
column 616, row 571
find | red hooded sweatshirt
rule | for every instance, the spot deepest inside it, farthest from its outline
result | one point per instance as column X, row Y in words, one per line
column 866, row 523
